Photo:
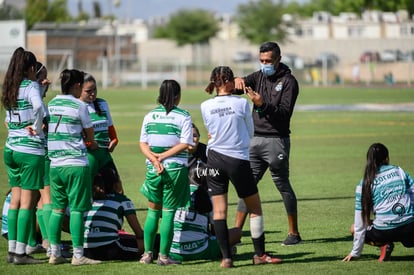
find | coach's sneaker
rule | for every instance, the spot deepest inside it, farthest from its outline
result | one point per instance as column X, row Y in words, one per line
column 292, row 239
column 386, row 251
column 164, row 260
column 265, row 259
column 146, row 258
column 57, row 260
column 25, row 259
column 84, row 261
column 10, row 257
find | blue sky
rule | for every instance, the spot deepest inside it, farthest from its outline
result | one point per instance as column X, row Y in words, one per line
column 151, row 8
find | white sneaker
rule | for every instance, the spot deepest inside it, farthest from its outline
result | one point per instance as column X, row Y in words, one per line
column 164, row 260
column 84, row 261
column 146, row 258
column 57, row 260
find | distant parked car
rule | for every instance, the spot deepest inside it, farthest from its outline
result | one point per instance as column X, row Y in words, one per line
column 293, row 61
column 369, row 56
column 391, row 55
column 409, row 56
column 243, row 57
column 331, row 59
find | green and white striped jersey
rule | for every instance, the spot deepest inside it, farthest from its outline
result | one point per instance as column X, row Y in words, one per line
column 105, row 219
column 68, row 117
column 191, row 229
column 101, row 122
column 162, row 132
column 28, row 113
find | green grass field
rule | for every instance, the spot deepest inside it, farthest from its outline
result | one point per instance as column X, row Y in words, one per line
column 327, row 161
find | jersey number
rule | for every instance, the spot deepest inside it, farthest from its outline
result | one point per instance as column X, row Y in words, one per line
column 58, row 122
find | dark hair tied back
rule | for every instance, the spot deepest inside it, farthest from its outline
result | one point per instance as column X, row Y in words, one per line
column 69, row 78
column 219, row 77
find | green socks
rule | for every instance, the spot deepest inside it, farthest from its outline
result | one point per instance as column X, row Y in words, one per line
column 77, row 228
column 151, row 228
column 55, row 227
column 166, row 231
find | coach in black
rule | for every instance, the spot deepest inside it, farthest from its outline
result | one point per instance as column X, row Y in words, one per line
column 274, row 95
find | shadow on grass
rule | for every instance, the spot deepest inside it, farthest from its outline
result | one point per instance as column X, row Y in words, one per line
column 329, row 240
column 279, row 200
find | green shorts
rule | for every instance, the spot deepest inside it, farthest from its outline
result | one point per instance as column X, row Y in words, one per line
column 24, row 170
column 211, row 253
column 97, row 159
column 170, row 189
column 71, row 185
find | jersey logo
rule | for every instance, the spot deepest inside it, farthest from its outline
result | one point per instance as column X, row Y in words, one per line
column 279, row 87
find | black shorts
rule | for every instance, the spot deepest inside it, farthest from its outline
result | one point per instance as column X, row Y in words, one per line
column 403, row 234
column 125, row 249
column 222, row 168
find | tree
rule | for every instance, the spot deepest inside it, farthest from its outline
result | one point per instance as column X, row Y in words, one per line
column 43, row 11
column 189, row 27
column 261, row 21
column 9, row 12
column 357, row 6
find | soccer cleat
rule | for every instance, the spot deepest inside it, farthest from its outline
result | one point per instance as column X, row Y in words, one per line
column 57, row 260
column 386, row 251
column 10, row 257
column 146, row 258
column 164, row 260
column 265, row 259
column 227, row 263
column 25, row 259
column 292, row 239
column 84, row 261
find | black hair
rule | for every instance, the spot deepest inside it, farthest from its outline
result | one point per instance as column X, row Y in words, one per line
column 69, row 78
column 20, row 64
column 170, row 91
column 196, row 128
column 219, row 76
column 89, row 78
column 270, row 46
column 104, row 183
column 377, row 156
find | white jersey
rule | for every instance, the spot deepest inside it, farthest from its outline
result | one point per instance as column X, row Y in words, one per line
column 68, row 117
column 28, row 113
column 161, row 132
column 229, row 122
column 393, row 203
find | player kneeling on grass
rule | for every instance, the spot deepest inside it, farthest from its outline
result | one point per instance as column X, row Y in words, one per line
column 104, row 221
column 387, row 191
column 194, row 237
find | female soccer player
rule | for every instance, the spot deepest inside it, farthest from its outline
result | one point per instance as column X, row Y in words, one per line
column 386, row 191
column 166, row 135
column 70, row 127
column 229, row 123
column 24, row 150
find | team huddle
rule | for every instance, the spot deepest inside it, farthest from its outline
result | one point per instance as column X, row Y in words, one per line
column 62, row 175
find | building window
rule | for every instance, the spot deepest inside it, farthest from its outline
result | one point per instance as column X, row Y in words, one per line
column 355, row 31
